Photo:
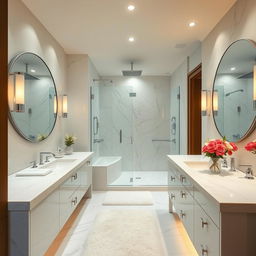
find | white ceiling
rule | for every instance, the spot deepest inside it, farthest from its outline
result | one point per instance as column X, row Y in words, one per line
column 100, row 28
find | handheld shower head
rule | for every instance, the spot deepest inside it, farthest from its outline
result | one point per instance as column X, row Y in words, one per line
column 132, row 72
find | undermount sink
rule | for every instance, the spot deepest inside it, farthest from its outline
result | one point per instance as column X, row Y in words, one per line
column 46, row 168
column 197, row 165
column 34, row 172
column 58, row 163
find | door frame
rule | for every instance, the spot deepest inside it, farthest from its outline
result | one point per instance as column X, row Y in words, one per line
column 194, row 74
column 3, row 126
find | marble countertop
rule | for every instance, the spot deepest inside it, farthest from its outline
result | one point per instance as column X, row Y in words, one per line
column 229, row 189
column 24, row 193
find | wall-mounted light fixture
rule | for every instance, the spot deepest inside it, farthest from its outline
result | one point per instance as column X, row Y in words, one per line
column 254, row 87
column 215, row 102
column 205, row 100
column 64, row 106
column 55, row 105
column 16, row 92
column 11, row 94
column 19, row 83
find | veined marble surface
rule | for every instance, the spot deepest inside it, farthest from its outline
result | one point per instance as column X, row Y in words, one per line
column 24, row 193
column 142, row 116
column 227, row 188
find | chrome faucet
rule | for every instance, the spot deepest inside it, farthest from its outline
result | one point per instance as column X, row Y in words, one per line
column 44, row 153
column 249, row 173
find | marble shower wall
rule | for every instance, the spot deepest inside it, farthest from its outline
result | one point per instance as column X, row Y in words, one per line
column 140, row 119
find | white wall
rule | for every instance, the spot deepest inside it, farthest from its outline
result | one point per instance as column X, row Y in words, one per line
column 179, row 78
column 26, row 33
column 238, row 23
column 81, row 73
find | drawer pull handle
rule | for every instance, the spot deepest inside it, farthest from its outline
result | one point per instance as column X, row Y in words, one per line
column 74, row 176
column 172, row 196
column 88, row 162
column 172, row 178
column 182, row 178
column 183, row 194
column 204, row 223
column 182, row 214
column 74, row 201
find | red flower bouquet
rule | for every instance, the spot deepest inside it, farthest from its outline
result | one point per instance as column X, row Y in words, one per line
column 216, row 149
column 219, row 148
column 251, row 147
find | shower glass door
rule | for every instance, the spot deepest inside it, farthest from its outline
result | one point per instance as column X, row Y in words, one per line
column 116, row 113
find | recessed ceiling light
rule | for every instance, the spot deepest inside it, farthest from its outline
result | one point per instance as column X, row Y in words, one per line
column 192, row 24
column 32, row 70
column 131, row 7
column 131, row 39
column 233, row 68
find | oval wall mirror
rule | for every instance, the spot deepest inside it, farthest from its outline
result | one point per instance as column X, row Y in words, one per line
column 234, row 91
column 32, row 97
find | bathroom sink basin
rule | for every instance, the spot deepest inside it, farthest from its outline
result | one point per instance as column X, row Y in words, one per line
column 34, row 172
column 58, row 163
column 197, row 165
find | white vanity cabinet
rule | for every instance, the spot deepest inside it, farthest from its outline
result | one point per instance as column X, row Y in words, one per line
column 72, row 191
column 218, row 211
column 201, row 229
column 206, row 233
column 44, row 224
column 34, row 224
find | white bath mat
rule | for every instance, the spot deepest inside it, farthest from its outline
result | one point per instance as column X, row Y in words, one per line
column 125, row 233
column 128, row 198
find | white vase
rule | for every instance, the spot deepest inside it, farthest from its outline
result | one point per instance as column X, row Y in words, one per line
column 69, row 150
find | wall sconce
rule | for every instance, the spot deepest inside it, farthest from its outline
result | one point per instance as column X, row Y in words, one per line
column 16, row 92
column 64, row 106
column 11, row 94
column 55, row 106
column 205, row 103
column 215, row 103
column 254, row 87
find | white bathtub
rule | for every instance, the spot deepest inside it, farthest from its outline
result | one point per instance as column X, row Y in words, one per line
column 106, row 169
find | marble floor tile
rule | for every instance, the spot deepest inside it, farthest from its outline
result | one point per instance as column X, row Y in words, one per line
column 177, row 243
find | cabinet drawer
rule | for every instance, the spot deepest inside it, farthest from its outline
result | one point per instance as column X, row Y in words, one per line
column 209, row 206
column 207, row 235
column 44, row 224
column 68, row 204
column 173, row 180
column 184, row 206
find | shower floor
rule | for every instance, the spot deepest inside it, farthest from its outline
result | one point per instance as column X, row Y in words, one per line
column 143, row 178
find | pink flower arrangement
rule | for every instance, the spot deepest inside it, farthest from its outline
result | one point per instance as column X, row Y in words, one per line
column 251, row 147
column 219, row 148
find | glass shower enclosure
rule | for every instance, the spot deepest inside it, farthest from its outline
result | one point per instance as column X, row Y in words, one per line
column 126, row 125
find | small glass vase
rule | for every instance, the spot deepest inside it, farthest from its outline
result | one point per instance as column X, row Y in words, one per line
column 215, row 165
column 69, row 150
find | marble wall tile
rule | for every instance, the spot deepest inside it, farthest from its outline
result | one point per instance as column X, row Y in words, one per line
column 141, row 119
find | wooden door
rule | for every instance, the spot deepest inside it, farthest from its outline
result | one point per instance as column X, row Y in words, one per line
column 194, row 111
column 3, row 126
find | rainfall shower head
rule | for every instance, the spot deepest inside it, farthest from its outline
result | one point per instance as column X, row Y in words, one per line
column 132, row 72
column 227, row 94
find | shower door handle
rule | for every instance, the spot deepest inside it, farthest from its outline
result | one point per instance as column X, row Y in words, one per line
column 95, row 132
column 131, row 140
column 121, row 136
